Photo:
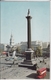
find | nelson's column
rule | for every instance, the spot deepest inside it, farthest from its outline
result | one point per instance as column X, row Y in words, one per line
column 29, row 61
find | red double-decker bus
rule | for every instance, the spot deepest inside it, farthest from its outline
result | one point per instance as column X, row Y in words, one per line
column 41, row 73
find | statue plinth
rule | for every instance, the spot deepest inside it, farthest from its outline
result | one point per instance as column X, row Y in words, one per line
column 29, row 54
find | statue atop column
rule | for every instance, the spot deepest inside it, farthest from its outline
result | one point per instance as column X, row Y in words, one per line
column 28, row 12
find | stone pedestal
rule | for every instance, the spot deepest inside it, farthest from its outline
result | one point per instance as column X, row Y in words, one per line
column 29, row 54
column 29, row 60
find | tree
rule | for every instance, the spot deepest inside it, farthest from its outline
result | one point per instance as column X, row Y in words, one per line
column 18, row 50
column 38, row 51
column 32, row 48
column 8, row 47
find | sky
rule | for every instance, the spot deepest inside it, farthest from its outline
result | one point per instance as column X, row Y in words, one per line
column 13, row 20
column 24, row 0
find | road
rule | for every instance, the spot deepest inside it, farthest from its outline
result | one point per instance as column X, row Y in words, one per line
column 10, row 71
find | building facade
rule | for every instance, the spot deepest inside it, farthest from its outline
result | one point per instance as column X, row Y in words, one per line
column 3, row 47
column 34, row 45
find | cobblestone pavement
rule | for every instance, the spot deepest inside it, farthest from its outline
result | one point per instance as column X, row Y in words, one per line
column 10, row 71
